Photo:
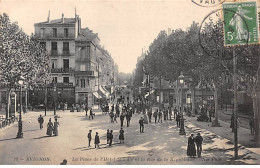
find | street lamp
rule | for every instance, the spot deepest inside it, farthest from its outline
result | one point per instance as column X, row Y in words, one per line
column 20, row 123
column 181, row 83
column 54, row 99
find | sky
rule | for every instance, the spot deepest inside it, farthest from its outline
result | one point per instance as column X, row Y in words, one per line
column 124, row 27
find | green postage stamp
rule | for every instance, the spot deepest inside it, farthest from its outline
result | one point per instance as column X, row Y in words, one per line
column 240, row 23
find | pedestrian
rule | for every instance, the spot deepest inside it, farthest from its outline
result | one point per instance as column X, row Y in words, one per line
column 121, row 135
column 112, row 108
column 97, row 141
column 115, row 118
column 90, row 114
column 175, row 112
column 164, row 114
column 86, row 109
column 155, row 114
column 122, row 119
column 111, row 116
column 128, row 118
column 89, row 138
column 150, row 115
column 252, row 126
column 160, row 116
column 191, row 151
column 198, row 141
column 111, row 137
column 170, row 113
column 141, row 123
column 55, row 129
column 108, row 134
column 178, row 119
column 49, row 127
column 40, row 121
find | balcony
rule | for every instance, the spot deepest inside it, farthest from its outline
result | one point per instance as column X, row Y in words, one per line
column 85, row 73
column 54, row 52
column 62, row 70
column 66, row 53
column 61, row 84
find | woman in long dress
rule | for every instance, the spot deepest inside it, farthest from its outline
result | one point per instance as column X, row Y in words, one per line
column 49, row 127
column 55, row 129
column 191, row 150
column 121, row 136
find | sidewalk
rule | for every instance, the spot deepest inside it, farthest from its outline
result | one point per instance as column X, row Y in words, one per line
column 244, row 136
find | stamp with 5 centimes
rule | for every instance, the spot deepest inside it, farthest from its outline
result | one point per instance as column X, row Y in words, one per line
column 241, row 23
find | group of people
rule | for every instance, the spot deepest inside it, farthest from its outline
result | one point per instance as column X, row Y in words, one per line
column 191, row 149
column 110, row 137
column 52, row 128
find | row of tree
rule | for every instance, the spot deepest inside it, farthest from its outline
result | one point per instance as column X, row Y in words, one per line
column 200, row 54
column 21, row 57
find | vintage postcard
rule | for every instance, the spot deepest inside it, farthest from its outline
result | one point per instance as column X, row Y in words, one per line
column 129, row 82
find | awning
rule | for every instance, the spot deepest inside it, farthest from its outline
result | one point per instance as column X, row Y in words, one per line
column 104, row 91
column 98, row 96
column 101, row 94
column 151, row 92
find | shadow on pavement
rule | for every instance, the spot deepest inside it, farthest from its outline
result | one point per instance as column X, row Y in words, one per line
column 31, row 130
column 104, row 146
column 44, row 137
column 7, row 139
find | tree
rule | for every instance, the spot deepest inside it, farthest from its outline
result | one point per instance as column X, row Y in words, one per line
column 20, row 55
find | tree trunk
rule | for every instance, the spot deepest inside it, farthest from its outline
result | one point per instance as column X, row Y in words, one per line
column 193, row 100
column 8, row 101
column 215, row 123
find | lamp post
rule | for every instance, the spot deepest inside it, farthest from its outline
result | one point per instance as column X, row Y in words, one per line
column 20, row 123
column 181, row 83
column 54, row 99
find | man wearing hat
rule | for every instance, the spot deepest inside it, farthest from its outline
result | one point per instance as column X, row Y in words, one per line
column 198, row 141
column 40, row 121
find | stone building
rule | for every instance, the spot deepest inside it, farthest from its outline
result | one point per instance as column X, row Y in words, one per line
column 76, row 60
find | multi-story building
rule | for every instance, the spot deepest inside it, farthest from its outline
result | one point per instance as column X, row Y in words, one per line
column 76, row 59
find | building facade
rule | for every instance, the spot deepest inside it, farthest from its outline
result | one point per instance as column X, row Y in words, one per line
column 80, row 67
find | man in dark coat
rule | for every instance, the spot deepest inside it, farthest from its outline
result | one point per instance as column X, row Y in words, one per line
column 122, row 119
column 97, row 141
column 150, row 115
column 90, row 114
column 112, row 108
column 160, row 116
column 89, row 138
column 110, row 137
column 141, row 123
column 41, row 120
column 178, row 119
column 155, row 114
column 117, row 110
column 112, row 116
column 128, row 118
column 198, row 141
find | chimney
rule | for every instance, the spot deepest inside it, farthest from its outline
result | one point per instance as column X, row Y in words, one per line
column 62, row 18
column 48, row 18
column 169, row 31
